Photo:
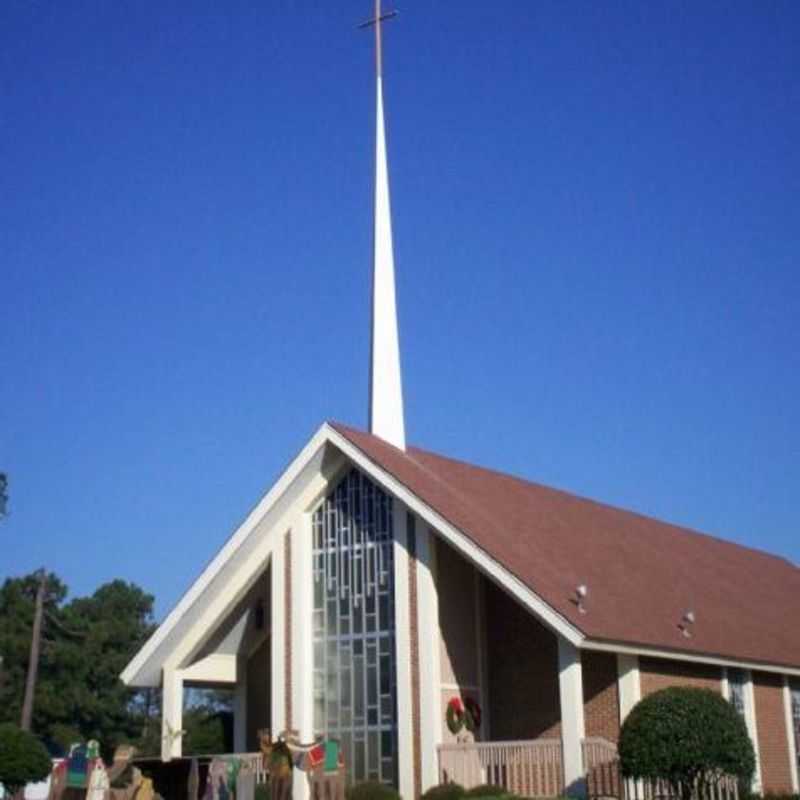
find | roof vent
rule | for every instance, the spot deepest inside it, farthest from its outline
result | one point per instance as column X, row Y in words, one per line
column 581, row 592
column 685, row 625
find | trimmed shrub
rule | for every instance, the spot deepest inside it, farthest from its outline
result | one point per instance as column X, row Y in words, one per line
column 371, row 790
column 445, row 791
column 687, row 737
column 487, row 790
column 23, row 758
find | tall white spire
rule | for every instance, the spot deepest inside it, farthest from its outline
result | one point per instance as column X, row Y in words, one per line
column 386, row 386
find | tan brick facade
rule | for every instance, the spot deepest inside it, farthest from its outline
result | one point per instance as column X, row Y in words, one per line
column 600, row 695
column 660, row 673
column 523, row 671
column 773, row 744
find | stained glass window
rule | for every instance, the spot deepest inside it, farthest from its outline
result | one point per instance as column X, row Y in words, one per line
column 355, row 686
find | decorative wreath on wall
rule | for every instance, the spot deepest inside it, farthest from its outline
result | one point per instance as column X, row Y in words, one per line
column 466, row 714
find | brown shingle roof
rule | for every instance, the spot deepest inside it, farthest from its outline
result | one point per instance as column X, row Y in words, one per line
column 642, row 574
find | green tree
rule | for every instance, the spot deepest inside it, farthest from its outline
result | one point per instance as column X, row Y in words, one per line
column 87, row 642
column 16, row 623
column 689, row 738
column 23, row 758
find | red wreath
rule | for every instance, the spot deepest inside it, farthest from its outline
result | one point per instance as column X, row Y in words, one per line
column 456, row 715
column 472, row 714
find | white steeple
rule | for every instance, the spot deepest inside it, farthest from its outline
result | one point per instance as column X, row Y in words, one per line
column 386, row 386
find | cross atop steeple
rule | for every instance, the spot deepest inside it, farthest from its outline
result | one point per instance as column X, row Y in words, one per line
column 376, row 21
column 386, row 417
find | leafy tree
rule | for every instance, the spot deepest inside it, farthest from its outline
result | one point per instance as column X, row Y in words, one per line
column 87, row 643
column 689, row 738
column 16, row 622
column 23, row 758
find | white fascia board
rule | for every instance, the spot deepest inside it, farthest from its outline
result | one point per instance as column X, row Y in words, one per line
column 681, row 655
column 132, row 671
column 460, row 541
column 214, row 668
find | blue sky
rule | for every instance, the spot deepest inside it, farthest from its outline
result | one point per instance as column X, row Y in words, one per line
column 596, row 224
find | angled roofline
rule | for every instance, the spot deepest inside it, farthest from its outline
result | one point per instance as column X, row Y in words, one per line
column 463, row 543
column 216, row 564
column 327, row 433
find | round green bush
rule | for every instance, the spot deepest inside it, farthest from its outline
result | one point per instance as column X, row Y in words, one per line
column 445, row 791
column 487, row 790
column 684, row 736
column 23, row 758
column 371, row 790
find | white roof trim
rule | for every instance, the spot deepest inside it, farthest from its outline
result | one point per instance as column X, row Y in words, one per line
column 223, row 556
column 682, row 655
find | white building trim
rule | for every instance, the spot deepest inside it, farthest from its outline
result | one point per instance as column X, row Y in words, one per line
column 725, row 685
column 629, row 684
column 681, row 655
column 171, row 714
column 405, row 728
column 214, row 668
column 790, row 733
column 302, row 632
column 430, row 638
column 278, row 643
column 573, row 727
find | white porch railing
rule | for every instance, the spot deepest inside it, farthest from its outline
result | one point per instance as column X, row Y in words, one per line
column 604, row 778
column 530, row 768
column 533, row 768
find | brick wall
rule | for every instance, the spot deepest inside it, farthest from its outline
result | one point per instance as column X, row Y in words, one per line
column 657, row 673
column 523, row 671
column 460, row 648
column 600, row 698
column 771, row 725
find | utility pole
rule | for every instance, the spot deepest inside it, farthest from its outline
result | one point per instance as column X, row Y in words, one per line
column 33, row 661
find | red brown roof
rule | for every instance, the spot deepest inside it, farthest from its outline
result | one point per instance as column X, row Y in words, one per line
column 642, row 574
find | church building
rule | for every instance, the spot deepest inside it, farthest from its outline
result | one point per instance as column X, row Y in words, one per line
column 449, row 622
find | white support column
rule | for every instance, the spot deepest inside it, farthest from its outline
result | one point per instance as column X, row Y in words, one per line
column 171, row 714
column 240, row 707
column 790, row 733
column 752, row 727
column 278, row 642
column 725, row 685
column 429, row 655
column 302, row 641
column 629, row 685
column 405, row 730
column 573, row 731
